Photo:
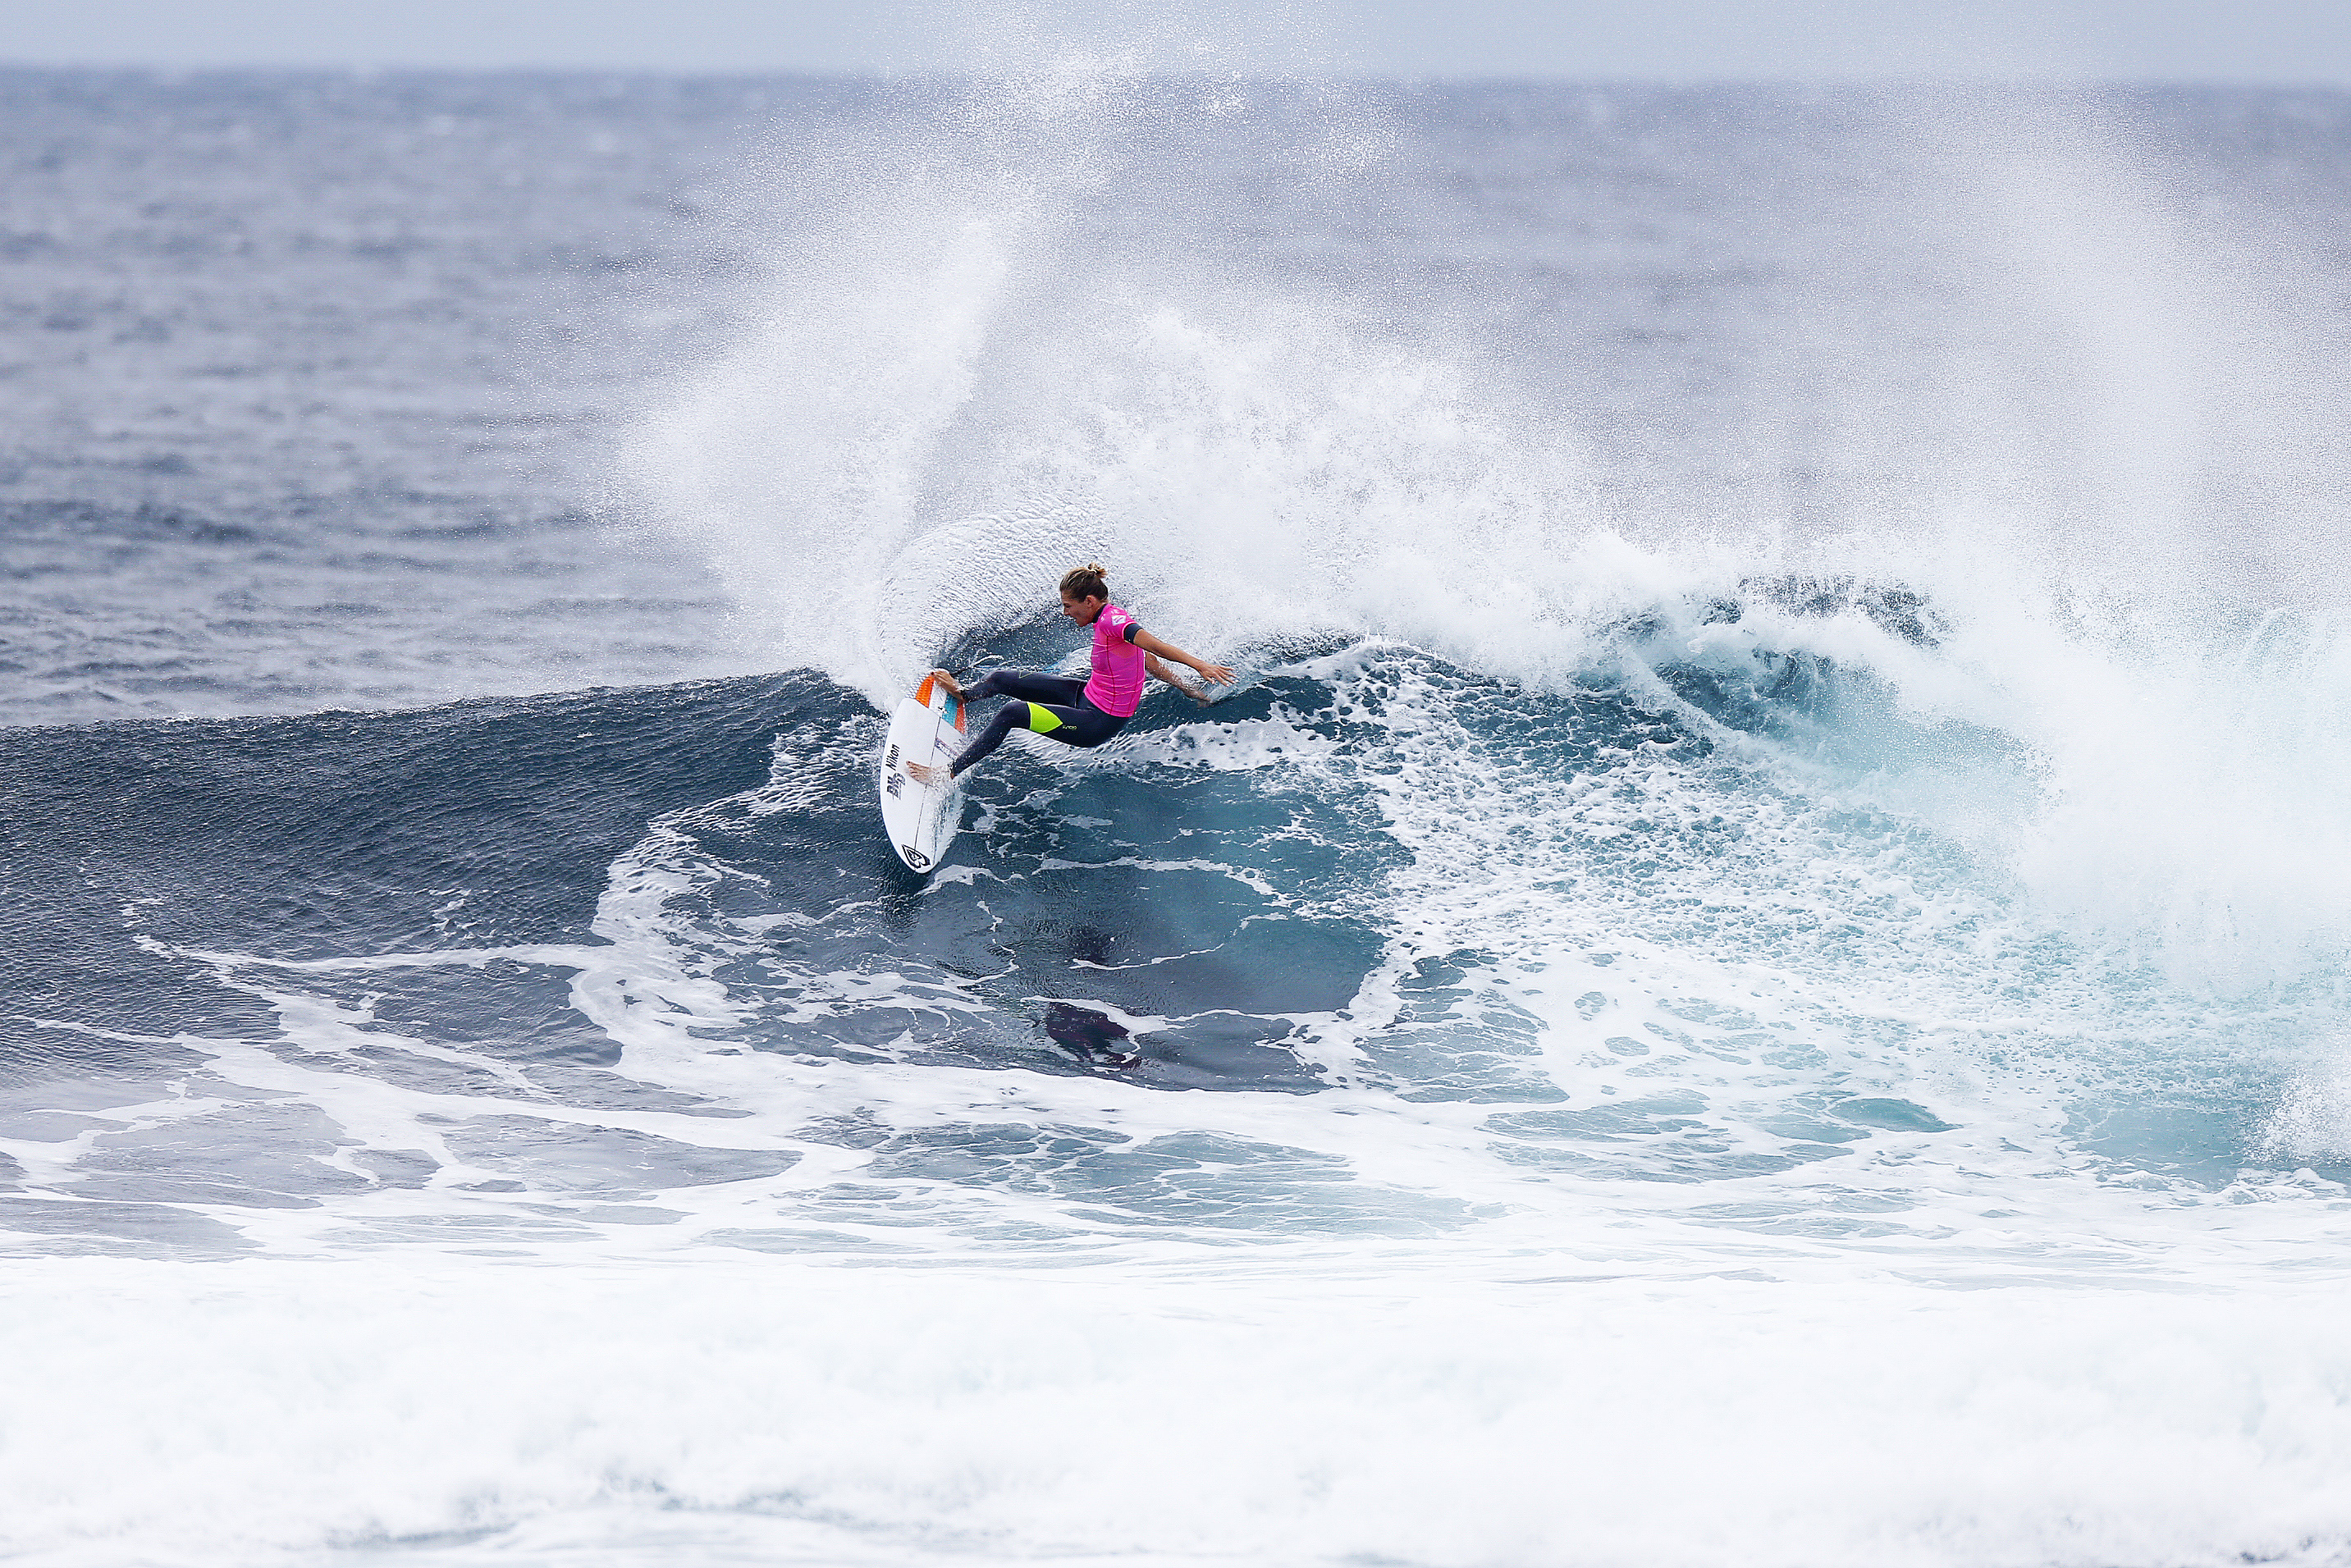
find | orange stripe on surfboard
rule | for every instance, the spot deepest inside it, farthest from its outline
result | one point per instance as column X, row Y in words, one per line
column 923, row 696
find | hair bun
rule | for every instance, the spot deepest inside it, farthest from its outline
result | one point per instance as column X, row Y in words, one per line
column 1097, row 569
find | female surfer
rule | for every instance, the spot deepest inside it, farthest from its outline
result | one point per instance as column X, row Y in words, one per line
column 1078, row 713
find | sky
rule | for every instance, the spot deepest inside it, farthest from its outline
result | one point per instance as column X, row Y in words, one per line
column 2284, row 42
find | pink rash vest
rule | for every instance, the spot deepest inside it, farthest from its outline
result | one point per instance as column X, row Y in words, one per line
column 1116, row 685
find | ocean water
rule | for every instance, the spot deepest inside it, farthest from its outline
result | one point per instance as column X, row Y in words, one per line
column 1754, row 971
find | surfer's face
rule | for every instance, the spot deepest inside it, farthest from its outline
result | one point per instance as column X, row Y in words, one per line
column 1082, row 610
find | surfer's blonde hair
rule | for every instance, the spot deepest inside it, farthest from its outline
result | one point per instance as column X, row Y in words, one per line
column 1091, row 581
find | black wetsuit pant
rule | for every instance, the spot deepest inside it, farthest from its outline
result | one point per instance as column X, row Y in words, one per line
column 1054, row 706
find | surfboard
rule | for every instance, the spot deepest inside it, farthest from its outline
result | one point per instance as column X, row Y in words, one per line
column 922, row 818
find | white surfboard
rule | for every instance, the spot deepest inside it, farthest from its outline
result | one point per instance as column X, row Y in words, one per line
column 922, row 818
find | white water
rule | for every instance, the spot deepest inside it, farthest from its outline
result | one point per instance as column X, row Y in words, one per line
column 1301, row 1409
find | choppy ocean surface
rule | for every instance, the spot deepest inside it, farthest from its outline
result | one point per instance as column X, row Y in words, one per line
column 1753, row 974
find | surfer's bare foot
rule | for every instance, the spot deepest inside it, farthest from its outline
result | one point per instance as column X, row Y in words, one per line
column 925, row 774
column 954, row 688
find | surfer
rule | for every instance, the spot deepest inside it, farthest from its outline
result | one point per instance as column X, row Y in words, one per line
column 1078, row 713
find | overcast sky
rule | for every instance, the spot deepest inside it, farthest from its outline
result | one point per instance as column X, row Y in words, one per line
column 2275, row 41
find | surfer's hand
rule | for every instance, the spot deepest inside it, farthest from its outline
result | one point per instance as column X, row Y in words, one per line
column 954, row 687
column 1217, row 673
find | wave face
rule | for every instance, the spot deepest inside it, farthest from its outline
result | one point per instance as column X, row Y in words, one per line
column 1657, row 1021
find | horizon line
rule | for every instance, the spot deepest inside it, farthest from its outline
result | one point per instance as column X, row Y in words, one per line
column 889, row 75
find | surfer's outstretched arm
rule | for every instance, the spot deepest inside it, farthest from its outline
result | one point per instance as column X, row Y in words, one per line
column 1160, row 668
column 1166, row 650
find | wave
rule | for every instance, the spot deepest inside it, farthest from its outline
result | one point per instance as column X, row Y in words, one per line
column 1684, row 923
